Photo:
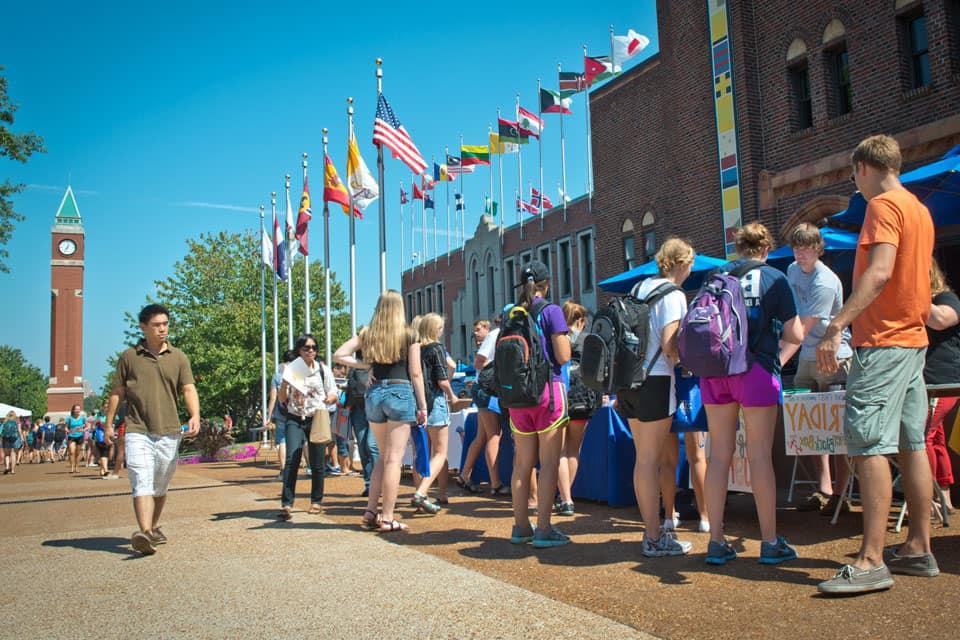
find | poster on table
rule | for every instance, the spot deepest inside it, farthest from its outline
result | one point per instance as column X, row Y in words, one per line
column 738, row 478
column 813, row 423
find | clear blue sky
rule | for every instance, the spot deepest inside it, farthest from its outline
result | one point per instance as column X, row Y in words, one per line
column 176, row 119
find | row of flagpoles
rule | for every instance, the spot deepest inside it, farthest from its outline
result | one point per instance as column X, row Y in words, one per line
column 279, row 247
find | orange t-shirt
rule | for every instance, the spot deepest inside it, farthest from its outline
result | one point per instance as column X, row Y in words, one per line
column 897, row 317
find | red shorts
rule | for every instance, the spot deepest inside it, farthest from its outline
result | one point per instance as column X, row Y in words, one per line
column 541, row 419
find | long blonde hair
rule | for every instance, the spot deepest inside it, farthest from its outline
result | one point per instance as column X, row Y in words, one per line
column 429, row 329
column 938, row 281
column 387, row 338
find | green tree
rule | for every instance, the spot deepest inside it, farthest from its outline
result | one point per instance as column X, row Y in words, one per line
column 16, row 146
column 214, row 301
column 21, row 384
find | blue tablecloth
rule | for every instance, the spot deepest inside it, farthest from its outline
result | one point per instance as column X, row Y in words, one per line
column 504, row 458
column 606, row 461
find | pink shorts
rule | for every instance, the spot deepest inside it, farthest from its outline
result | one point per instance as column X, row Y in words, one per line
column 540, row 419
column 755, row 388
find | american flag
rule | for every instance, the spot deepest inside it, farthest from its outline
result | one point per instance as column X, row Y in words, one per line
column 453, row 172
column 388, row 131
column 522, row 205
column 535, row 199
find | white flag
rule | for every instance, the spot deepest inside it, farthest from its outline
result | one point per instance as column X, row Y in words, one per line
column 625, row 47
column 363, row 187
column 266, row 248
column 563, row 196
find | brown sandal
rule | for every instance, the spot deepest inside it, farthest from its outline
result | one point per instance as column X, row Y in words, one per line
column 392, row 526
column 313, row 510
column 285, row 514
column 370, row 524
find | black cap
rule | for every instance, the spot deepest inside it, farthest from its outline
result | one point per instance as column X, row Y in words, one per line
column 535, row 271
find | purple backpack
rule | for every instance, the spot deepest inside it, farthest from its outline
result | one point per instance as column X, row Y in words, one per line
column 712, row 338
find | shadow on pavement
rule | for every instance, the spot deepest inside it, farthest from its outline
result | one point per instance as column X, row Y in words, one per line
column 109, row 544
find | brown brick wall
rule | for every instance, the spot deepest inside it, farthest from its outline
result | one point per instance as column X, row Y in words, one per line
column 66, row 324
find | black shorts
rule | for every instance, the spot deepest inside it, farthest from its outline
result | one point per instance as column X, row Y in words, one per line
column 102, row 449
column 651, row 402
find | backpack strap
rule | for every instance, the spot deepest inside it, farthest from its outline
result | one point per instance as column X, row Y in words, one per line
column 661, row 291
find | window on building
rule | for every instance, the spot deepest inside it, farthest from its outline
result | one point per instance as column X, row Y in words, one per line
column 649, row 235
column 802, row 103
column 543, row 255
column 419, row 303
column 464, row 347
column 585, row 240
column 838, row 66
column 410, row 308
column 629, row 253
column 918, row 56
column 429, row 299
column 510, row 275
column 440, row 298
column 526, row 257
column 564, row 267
column 491, row 287
column 475, row 273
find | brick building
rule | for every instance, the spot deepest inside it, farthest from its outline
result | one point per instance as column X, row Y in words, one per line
column 748, row 112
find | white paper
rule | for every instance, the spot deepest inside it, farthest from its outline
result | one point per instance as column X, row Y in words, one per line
column 295, row 374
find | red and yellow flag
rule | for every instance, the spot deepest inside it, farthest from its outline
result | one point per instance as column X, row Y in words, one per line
column 334, row 190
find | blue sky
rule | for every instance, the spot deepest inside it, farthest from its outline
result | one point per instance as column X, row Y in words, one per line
column 176, row 119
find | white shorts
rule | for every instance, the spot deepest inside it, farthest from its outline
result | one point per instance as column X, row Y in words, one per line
column 151, row 461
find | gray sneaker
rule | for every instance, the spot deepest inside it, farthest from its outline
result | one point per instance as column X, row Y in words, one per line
column 852, row 580
column 141, row 542
column 923, row 565
column 666, row 545
column 157, row 537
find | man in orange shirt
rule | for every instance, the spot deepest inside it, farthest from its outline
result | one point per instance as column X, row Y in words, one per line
column 886, row 396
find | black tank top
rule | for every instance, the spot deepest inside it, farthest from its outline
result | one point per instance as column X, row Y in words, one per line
column 394, row 371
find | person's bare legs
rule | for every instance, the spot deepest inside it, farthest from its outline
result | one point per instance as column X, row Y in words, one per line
column 74, row 448
column 533, row 499
column 722, row 419
column 917, row 481
column 875, row 494
column 667, row 475
column 694, row 442
column 648, row 440
column 8, row 460
column 438, row 457
column 490, row 423
column 144, row 508
column 379, row 431
column 760, row 423
column 550, row 445
column 825, row 483
column 396, row 437
column 570, row 460
column 443, row 480
column 526, row 448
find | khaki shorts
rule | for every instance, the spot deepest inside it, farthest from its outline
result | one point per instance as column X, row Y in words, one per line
column 809, row 377
column 886, row 408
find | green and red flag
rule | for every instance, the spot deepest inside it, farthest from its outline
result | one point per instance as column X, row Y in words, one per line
column 474, row 154
column 596, row 68
column 510, row 132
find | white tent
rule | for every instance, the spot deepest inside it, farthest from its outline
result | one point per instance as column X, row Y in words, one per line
column 6, row 408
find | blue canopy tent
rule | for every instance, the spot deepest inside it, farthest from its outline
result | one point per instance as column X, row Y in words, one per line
column 624, row 282
column 835, row 241
column 936, row 184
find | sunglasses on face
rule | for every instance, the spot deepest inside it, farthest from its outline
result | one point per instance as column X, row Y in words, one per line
column 309, row 347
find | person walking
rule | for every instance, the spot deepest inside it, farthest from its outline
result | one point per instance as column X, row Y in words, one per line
column 319, row 390
column 394, row 399
column 276, row 412
column 76, row 427
column 772, row 319
column 886, row 398
column 148, row 377
column 10, row 434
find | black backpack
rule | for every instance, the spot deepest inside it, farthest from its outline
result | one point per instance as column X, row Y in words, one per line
column 358, row 381
column 582, row 401
column 521, row 368
column 615, row 348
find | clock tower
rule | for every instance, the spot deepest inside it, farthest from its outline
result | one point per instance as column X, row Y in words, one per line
column 66, row 308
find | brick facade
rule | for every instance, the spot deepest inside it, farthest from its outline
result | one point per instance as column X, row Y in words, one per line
column 66, row 323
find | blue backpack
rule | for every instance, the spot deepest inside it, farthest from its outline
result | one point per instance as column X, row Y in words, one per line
column 712, row 338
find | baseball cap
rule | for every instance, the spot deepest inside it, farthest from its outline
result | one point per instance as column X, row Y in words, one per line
column 535, row 271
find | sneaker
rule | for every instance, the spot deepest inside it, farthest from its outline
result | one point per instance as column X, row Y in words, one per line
column 111, row 476
column 309, row 472
column 776, row 552
column 831, row 506
column 704, row 526
column 157, row 537
column 852, row 580
column 719, row 553
column 816, row 501
column 666, row 545
column 566, row 509
column 333, row 470
column 669, row 524
column 143, row 543
column 519, row 536
column 552, row 538
column 923, row 565
column 423, row 504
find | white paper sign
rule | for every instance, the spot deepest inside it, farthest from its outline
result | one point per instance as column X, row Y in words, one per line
column 813, row 423
column 296, row 374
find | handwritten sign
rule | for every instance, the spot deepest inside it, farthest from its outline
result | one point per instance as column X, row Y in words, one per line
column 738, row 478
column 813, row 423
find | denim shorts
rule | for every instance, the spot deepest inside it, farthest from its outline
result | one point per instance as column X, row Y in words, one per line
column 390, row 402
column 439, row 413
column 280, row 431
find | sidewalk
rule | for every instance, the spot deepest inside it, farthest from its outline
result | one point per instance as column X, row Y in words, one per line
column 232, row 570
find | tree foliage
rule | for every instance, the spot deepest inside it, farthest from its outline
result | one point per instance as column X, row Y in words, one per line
column 19, row 147
column 21, row 384
column 214, row 301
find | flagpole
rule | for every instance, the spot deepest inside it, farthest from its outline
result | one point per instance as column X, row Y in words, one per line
column 489, row 154
column 463, row 203
column 276, row 311
column 563, row 151
column 414, row 256
column 263, row 326
column 383, row 211
column 353, row 229
column 500, row 165
column 540, row 150
column 326, row 263
column 446, row 152
column 436, row 245
column 589, row 143
column 290, row 254
column 403, row 253
column 423, row 222
column 306, row 266
column 516, row 114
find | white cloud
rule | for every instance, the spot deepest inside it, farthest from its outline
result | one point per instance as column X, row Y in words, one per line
column 53, row 187
column 216, row 205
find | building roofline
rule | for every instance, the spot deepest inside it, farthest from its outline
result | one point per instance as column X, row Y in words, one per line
column 627, row 76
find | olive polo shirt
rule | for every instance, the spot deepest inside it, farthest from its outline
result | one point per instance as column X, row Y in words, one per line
column 152, row 383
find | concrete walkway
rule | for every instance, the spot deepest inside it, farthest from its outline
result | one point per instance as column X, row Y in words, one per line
column 232, row 570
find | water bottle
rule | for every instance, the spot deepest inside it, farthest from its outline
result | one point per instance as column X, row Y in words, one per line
column 633, row 343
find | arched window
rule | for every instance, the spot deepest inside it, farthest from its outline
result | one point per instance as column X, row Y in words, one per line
column 475, row 275
column 629, row 246
column 491, row 286
column 649, row 235
column 837, row 72
column 798, row 72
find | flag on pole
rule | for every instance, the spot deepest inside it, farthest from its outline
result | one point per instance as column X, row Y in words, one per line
column 498, row 147
column 388, row 131
column 473, row 154
column 535, row 197
column 291, row 229
column 530, row 124
column 571, row 82
column 303, row 218
column 490, row 207
column 428, row 201
column 596, row 68
column 428, row 183
column 510, row 132
column 459, row 199
column 563, row 196
column 523, row 205
column 417, row 192
column 363, row 186
column 403, row 196
column 552, row 102
column 279, row 250
column 454, row 172
column 333, row 189
column 452, row 161
column 266, row 248
column 625, row 47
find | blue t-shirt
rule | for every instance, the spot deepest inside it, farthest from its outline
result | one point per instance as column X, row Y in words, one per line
column 769, row 301
column 75, row 427
column 551, row 322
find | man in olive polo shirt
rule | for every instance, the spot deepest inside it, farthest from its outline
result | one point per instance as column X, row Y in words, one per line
column 149, row 376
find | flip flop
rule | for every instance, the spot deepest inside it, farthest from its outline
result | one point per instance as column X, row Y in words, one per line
column 392, row 526
column 313, row 510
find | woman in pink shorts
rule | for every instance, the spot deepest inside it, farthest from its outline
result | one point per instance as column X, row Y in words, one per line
column 539, row 429
column 772, row 315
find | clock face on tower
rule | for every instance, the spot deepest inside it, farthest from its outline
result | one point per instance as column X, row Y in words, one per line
column 67, row 247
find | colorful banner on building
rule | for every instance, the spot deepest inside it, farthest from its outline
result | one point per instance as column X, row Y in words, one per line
column 813, row 423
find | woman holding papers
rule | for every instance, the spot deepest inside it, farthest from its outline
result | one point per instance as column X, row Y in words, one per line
column 393, row 401
column 307, row 386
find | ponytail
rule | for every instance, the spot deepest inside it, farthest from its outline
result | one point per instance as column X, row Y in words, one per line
column 530, row 290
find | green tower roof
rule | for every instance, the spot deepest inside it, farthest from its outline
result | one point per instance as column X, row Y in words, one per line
column 69, row 212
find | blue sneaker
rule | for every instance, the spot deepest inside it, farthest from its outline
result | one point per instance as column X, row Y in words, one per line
column 519, row 536
column 552, row 538
column 720, row 553
column 777, row 552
